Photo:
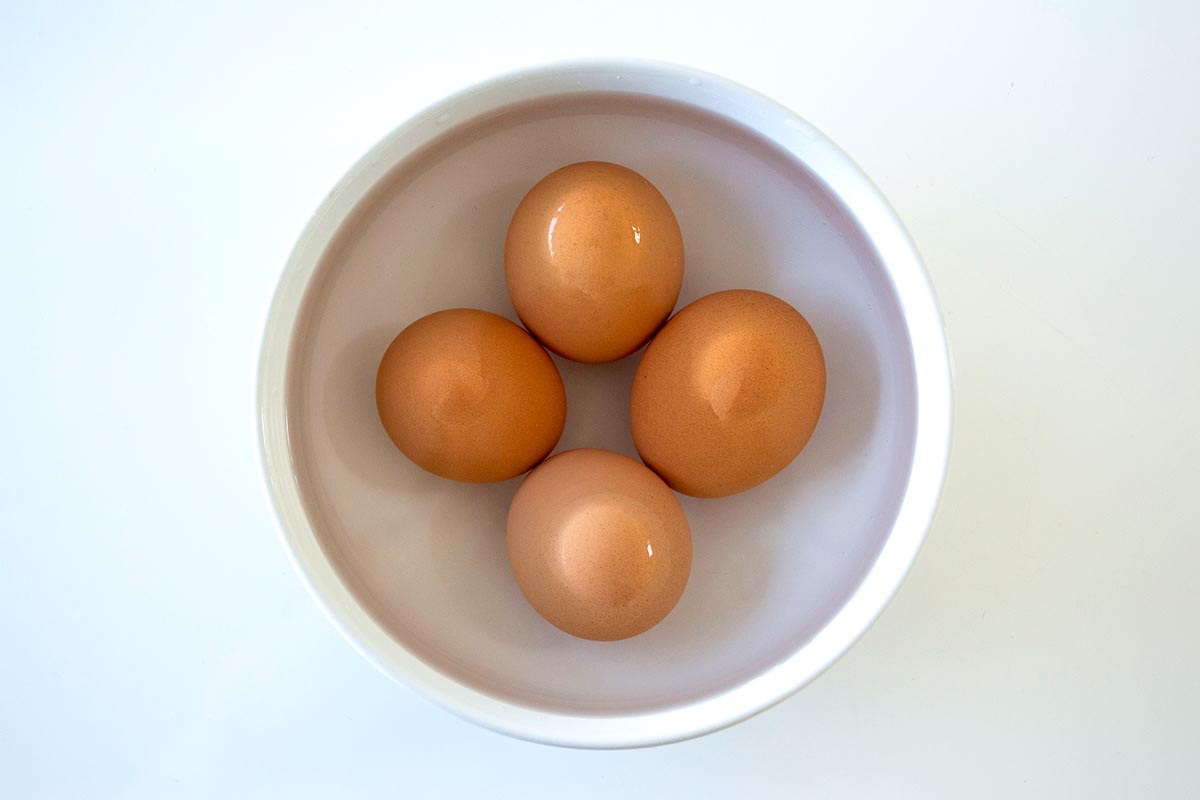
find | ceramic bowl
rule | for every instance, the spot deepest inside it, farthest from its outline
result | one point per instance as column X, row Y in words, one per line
column 411, row 568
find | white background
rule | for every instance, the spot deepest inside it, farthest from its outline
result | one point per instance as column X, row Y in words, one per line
column 157, row 161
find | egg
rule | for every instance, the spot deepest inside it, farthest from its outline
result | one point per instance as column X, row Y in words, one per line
column 728, row 393
column 593, row 261
column 469, row 395
column 598, row 544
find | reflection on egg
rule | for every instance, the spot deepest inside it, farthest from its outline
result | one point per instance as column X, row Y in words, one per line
column 594, row 261
column 468, row 395
column 598, row 544
column 728, row 393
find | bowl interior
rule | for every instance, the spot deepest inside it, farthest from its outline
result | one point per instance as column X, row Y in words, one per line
column 426, row 557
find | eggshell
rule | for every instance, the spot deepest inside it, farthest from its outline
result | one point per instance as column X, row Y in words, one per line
column 594, row 261
column 728, row 393
column 598, row 544
column 468, row 395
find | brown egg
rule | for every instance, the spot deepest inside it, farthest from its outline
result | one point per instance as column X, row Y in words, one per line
column 469, row 395
column 594, row 261
column 598, row 544
column 728, row 393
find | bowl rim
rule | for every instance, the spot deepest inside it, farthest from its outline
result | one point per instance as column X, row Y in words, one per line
column 932, row 371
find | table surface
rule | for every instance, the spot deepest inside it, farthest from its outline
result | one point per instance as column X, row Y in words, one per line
column 159, row 160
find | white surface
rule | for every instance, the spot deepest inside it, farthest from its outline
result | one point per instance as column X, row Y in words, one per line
column 158, row 163
column 785, row 577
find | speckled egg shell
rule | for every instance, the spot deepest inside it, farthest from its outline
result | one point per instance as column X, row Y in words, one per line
column 594, row 261
column 598, row 544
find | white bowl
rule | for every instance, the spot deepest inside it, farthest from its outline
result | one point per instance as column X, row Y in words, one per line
column 412, row 568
